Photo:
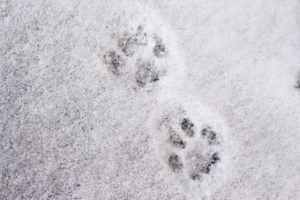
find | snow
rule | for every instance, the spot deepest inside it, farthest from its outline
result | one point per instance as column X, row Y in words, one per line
column 149, row 99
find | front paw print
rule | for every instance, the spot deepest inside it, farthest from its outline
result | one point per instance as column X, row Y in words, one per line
column 192, row 144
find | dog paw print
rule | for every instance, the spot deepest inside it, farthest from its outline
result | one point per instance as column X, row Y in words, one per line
column 190, row 145
column 137, row 57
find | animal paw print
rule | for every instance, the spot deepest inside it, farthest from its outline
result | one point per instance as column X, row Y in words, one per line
column 196, row 162
column 190, row 148
column 137, row 57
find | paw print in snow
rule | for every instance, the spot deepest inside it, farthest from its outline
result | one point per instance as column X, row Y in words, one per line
column 138, row 54
column 182, row 135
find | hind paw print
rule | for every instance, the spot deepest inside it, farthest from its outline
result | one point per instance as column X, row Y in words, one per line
column 137, row 57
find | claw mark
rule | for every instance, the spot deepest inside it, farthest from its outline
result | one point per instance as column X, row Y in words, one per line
column 175, row 163
column 188, row 127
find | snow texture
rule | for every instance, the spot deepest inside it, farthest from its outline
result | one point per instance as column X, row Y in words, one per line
column 149, row 99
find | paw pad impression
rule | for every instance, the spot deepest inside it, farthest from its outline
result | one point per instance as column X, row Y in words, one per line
column 188, row 138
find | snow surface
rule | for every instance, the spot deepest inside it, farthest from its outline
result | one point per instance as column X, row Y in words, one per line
column 181, row 100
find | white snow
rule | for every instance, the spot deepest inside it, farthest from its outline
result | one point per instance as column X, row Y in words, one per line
column 80, row 122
